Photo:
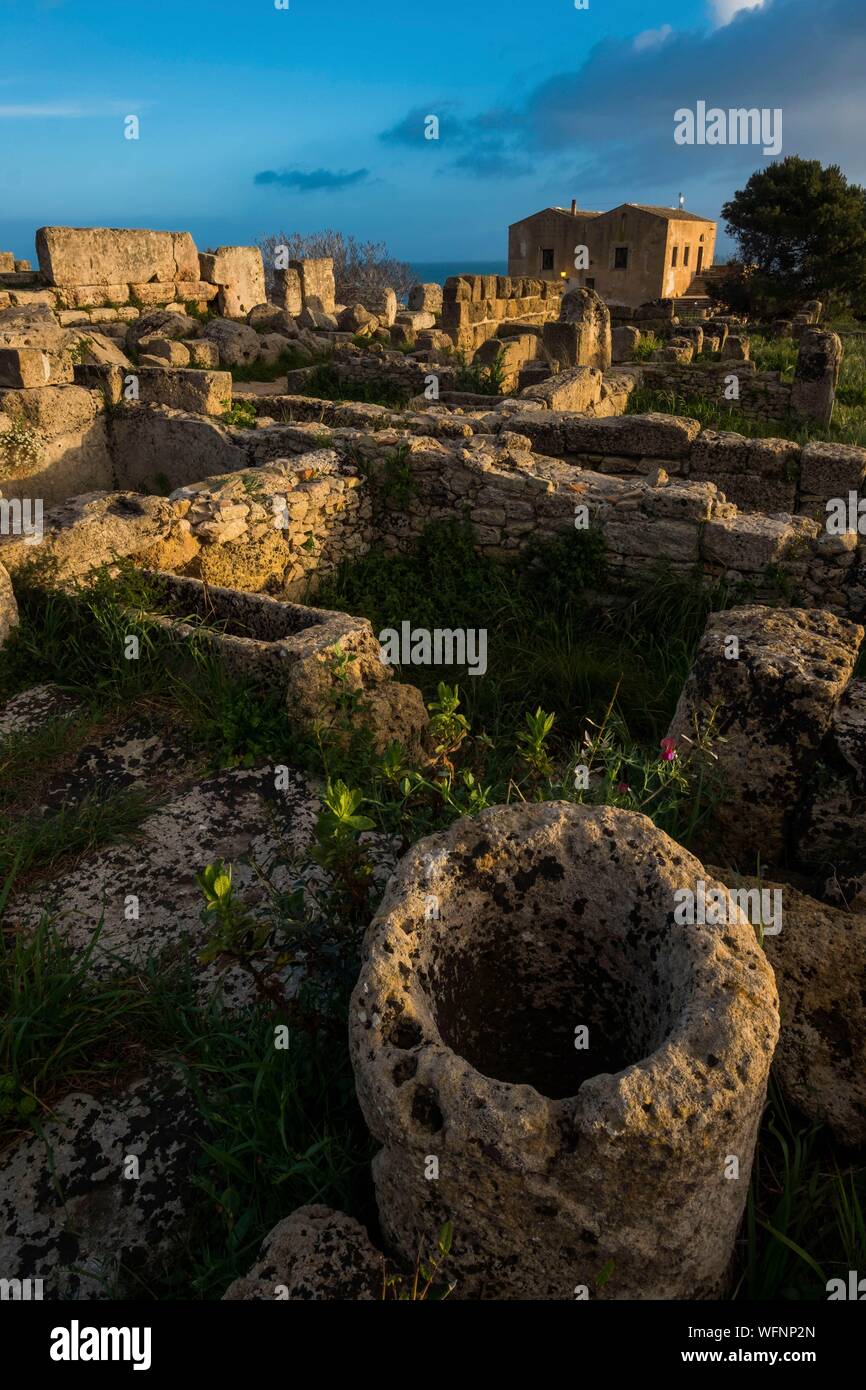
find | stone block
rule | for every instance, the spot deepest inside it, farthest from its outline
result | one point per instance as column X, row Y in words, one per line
column 770, row 696
column 202, row 352
column 112, row 255
column 92, row 296
column 287, row 291
column 633, row 436
column 816, row 375
column 576, row 390
column 24, row 367
column 316, row 276
column 153, row 295
column 624, row 340
column 832, row 470
column 239, row 273
column 199, row 392
column 427, row 298
column 238, row 344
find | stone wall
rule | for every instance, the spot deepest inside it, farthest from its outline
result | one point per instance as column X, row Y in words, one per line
column 762, row 395
column 761, row 475
column 110, row 266
column 658, row 487
column 116, row 269
column 53, row 443
column 473, row 306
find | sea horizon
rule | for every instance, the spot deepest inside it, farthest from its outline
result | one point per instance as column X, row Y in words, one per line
column 437, row 272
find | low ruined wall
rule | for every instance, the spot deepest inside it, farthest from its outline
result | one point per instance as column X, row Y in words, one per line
column 761, row 475
column 657, row 486
column 512, row 498
column 284, row 525
column 473, row 306
column 762, row 395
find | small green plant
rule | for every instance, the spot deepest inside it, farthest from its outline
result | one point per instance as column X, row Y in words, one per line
column 234, row 933
column 532, row 744
column 239, row 413
column 448, row 728
column 423, row 1283
column 194, row 310
column 647, row 347
column 336, row 835
column 390, row 479
column 78, row 351
column 475, row 378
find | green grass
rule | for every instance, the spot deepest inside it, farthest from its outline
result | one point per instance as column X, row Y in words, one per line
column 289, row 360
column 806, row 1214
column 36, row 843
column 276, row 1128
column 547, row 645
column 848, row 425
column 325, row 384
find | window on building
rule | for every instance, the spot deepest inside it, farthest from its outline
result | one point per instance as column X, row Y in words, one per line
column 675, row 255
column 620, row 258
column 590, row 283
column 686, row 252
column 547, row 258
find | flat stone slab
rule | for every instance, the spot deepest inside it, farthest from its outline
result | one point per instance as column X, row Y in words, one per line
column 68, row 1213
column 236, row 816
column 130, row 756
column 32, row 709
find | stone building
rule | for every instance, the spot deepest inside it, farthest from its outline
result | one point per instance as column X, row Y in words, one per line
column 636, row 253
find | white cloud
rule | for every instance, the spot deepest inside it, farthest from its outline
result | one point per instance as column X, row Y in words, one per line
column 724, row 10
column 23, row 113
column 652, row 38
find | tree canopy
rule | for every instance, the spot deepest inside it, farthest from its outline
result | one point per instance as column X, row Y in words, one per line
column 800, row 229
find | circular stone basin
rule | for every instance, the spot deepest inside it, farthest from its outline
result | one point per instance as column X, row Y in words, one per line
column 539, row 1045
column 510, row 999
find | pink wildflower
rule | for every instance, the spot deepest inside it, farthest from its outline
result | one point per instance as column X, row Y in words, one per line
column 622, row 788
column 669, row 750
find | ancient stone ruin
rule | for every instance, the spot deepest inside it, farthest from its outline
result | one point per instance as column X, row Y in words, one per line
column 566, row 1002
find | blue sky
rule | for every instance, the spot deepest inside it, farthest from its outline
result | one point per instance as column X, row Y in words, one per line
column 255, row 119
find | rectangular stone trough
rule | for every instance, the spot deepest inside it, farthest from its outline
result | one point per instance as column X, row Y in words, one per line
column 304, row 649
column 254, row 633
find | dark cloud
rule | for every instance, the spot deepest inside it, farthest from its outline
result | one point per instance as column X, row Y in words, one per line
column 612, row 119
column 315, row 181
column 490, row 164
column 484, row 141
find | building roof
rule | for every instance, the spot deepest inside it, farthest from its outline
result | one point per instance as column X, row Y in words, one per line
column 672, row 214
column 564, row 212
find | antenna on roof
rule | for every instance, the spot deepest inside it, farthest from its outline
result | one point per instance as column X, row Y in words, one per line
column 682, row 201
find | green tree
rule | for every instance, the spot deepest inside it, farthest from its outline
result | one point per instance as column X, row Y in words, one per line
column 800, row 230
